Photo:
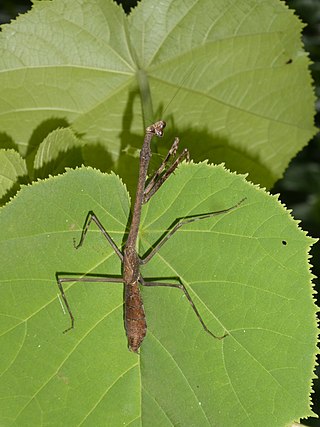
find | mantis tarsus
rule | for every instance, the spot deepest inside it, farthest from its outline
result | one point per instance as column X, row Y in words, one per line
column 135, row 319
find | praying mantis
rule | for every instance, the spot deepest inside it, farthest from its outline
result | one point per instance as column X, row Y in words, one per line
column 134, row 313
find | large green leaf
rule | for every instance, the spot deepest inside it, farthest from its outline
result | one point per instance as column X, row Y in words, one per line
column 235, row 71
column 247, row 272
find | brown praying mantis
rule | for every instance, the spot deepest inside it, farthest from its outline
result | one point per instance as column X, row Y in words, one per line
column 134, row 314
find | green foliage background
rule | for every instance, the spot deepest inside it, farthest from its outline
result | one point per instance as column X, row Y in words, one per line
column 299, row 189
column 37, row 165
column 241, row 108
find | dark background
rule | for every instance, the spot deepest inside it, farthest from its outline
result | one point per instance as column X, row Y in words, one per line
column 300, row 188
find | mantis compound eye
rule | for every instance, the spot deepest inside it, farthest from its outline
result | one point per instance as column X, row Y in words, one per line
column 157, row 128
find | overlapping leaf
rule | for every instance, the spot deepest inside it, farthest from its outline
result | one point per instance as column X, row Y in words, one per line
column 235, row 72
column 13, row 167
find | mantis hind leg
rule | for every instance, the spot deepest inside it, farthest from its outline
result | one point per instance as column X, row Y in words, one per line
column 61, row 280
column 184, row 290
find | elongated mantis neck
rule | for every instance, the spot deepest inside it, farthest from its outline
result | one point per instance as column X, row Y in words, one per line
column 145, row 156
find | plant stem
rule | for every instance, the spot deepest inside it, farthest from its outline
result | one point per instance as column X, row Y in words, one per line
column 145, row 95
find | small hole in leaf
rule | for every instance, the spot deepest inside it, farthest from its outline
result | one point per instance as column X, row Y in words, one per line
column 284, row 242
